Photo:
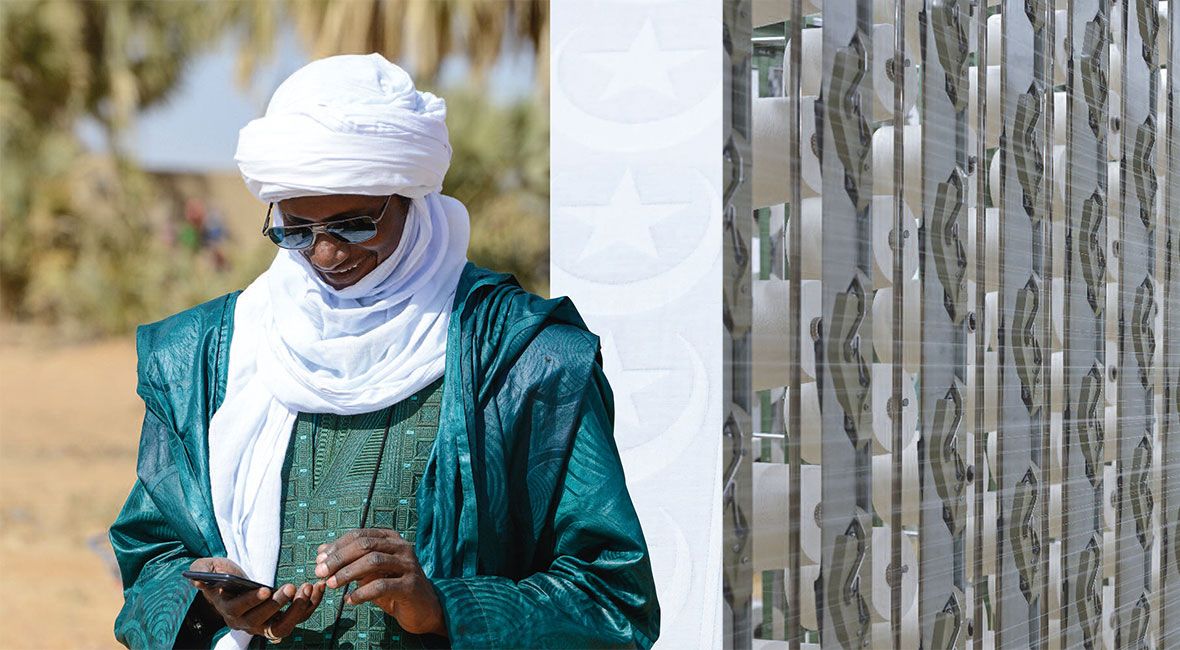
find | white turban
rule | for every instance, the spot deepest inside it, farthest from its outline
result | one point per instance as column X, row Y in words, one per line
column 348, row 124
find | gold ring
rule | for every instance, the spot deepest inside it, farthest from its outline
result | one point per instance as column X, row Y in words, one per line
column 270, row 636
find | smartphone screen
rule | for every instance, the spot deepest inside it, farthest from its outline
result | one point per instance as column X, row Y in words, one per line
column 226, row 581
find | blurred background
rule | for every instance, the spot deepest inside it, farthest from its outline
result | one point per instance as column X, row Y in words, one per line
column 120, row 204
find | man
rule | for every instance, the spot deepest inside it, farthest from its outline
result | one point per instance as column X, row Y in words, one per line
column 413, row 450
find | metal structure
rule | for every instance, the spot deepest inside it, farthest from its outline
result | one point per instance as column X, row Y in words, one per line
column 952, row 324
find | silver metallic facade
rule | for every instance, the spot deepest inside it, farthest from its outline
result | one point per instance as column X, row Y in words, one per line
column 952, row 326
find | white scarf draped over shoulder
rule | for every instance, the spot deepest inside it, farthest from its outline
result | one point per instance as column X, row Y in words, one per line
column 342, row 125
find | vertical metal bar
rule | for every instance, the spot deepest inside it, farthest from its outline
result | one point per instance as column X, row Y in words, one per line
column 899, row 227
column 844, row 342
column 979, row 454
column 736, row 305
column 1170, row 492
column 1023, row 327
column 1046, row 66
column 1085, row 321
column 943, row 240
column 1159, row 272
column 794, row 248
column 1136, row 336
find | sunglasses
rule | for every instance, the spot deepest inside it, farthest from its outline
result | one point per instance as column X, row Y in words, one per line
column 354, row 230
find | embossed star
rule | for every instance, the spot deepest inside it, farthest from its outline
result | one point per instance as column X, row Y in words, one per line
column 645, row 64
column 627, row 383
column 626, row 220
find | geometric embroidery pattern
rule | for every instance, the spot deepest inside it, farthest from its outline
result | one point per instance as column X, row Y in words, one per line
column 326, row 475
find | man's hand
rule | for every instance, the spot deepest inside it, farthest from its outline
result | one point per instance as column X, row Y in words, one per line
column 258, row 610
column 387, row 573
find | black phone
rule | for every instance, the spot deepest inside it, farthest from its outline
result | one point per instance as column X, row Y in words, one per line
column 231, row 583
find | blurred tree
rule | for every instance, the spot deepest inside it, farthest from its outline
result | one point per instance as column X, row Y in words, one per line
column 61, row 60
column 419, row 34
column 500, row 171
column 77, row 246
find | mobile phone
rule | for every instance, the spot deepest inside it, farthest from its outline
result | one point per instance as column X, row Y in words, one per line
column 231, row 583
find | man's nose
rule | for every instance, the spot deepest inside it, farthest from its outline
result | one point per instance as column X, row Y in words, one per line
column 326, row 251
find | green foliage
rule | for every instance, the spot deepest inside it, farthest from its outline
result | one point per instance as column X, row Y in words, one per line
column 500, row 171
column 73, row 235
column 82, row 243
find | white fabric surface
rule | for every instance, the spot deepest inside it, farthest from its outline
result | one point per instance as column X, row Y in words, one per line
column 342, row 125
column 348, row 124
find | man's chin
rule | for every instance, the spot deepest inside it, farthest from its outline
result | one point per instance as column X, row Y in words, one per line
column 345, row 280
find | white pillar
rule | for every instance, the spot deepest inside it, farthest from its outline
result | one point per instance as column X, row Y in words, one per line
column 637, row 103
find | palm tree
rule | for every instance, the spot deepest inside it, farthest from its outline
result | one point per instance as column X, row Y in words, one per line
column 419, row 34
column 75, row 242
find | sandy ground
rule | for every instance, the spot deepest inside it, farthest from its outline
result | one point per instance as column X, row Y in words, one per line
column 69, row 427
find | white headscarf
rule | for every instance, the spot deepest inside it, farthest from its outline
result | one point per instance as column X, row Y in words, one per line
column 341, row 125
column 346, row 124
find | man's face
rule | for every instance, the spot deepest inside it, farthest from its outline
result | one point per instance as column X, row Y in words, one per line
column 339, row 263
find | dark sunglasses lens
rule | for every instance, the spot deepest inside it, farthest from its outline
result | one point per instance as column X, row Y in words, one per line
column 354, row 231
column 293, row 238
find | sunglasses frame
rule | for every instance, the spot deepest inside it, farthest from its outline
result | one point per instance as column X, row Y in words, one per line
column 317, row 228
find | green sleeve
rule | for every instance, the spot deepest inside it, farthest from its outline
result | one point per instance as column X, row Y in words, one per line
column 598, row 590
column 151, row 558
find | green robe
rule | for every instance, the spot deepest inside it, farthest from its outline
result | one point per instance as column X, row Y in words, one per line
column 525, row 528
column 326, row 477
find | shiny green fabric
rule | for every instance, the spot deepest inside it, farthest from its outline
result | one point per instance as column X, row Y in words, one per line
column 525, row 524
